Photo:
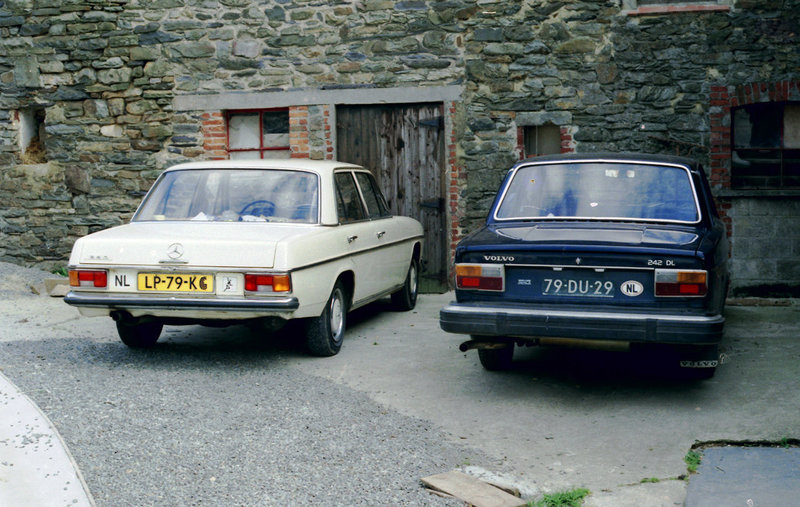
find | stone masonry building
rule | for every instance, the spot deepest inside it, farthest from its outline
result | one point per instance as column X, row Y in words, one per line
column 439, row 98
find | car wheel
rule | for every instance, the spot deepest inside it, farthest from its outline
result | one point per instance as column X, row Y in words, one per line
column 324, row 334
column 698, row 373
column 496, row 359
column 406, row 298
column 139, row 335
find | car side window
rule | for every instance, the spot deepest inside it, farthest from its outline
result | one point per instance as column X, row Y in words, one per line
column 376, row 205
column 348, row 202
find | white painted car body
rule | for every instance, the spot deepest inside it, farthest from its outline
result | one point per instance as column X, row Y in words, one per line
column 371, row 256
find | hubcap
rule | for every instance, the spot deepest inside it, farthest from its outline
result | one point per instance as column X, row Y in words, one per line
column 413, row 280
column 337, row 315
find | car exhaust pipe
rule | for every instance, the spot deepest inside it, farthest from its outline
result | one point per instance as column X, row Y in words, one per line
column 478, row 344
column 120, row 316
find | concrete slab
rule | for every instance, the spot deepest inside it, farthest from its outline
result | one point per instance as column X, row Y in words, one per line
column 747, row 476
column 36, row 468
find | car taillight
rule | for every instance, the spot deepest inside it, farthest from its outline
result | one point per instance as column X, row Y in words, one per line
column 681, row 282
column 88, row 278
column 480, row 276
column 267, row 283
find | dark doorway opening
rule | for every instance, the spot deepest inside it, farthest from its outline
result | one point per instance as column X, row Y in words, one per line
column 403, row 145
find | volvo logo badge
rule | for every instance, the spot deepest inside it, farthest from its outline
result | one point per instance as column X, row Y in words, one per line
column 175, row 251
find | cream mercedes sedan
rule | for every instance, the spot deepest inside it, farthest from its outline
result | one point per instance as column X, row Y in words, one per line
column 255, row 242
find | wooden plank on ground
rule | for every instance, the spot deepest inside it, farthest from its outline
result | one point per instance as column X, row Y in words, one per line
column 471, row 490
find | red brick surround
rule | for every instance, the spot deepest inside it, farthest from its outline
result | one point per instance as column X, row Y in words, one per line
column 215, row 142
column 298, row 132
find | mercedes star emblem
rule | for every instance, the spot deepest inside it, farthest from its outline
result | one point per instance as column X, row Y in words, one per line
column 175, row 251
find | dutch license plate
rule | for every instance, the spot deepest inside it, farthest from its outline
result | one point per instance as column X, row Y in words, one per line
column 173, row 282
column 576, row 286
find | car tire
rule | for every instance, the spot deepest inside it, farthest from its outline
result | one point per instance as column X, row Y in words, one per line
column 324, row 334
column 139, row 335
column 698, row 373
column 496, row 359
column 406, row 298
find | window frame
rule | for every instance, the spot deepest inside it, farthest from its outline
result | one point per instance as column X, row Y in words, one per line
column 261, row 148
column 780, row 150
column 636, row 8
column 529, row 131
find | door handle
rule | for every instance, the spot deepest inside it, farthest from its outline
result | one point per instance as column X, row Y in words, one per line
column 350, row 239
column 380, row 234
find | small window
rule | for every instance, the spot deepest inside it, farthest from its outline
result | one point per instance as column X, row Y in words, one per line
column 668, row 6
column 632, row 4
column 542, row 140
column 258, row 134
column 376, row 205
column 348, row 202
column 765, row 145
column 32, row 135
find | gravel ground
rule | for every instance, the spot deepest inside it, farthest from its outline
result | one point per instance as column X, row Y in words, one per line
column 19, row 281
column 213, row 422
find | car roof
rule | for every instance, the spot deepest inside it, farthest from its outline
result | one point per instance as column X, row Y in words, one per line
column 621, row 157
column 294, row 164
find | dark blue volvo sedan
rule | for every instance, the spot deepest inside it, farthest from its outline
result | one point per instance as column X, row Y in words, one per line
column 597, row 251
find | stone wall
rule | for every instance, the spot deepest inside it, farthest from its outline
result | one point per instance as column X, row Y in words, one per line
column 108, row 74
column 623, row 82
column 766, row 243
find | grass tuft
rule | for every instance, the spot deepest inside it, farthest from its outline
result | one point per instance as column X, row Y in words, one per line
column 572, row 498
column 692, row 460
column 61, row 271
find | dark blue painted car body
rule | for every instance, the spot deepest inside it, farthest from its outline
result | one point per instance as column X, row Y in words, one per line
column 592, row 280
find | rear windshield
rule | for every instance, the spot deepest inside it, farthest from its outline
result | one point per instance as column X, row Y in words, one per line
column 230, row 195
column 600, row 191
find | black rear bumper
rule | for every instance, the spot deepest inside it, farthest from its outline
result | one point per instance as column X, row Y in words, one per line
column 522, row 322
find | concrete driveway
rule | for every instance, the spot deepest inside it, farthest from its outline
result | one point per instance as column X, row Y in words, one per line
column 567, row 418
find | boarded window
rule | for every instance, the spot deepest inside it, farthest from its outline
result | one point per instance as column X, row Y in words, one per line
column 258, row 134
column 766, row 145
column 542, row 140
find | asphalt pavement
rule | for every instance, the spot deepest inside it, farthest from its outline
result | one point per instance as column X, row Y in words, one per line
column 37, row 468
column 747, row 476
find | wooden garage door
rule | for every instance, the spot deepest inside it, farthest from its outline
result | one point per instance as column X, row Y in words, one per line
column 403, row 145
